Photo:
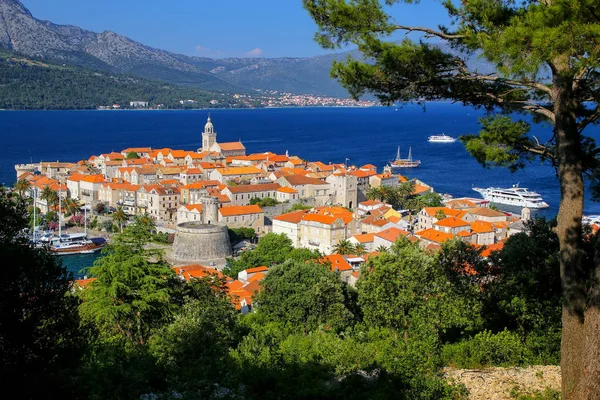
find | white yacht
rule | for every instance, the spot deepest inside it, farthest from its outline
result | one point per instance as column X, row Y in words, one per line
column 443, row 138
column 515, row 196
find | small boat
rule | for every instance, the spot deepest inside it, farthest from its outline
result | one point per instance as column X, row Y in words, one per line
column 404, row 162
column 76, row 243
column 515, row 196
column 443, row 138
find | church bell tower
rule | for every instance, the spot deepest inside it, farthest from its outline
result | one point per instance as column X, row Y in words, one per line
column 209, row 136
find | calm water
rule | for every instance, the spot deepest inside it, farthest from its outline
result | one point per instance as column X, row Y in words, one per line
column 368, row 135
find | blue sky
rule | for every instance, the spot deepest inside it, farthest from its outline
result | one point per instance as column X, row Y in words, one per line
column 212, row 28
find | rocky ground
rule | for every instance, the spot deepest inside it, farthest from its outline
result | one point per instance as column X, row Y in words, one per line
column 498, row 383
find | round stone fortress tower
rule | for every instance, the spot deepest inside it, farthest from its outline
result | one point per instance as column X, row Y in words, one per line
column 202, row 241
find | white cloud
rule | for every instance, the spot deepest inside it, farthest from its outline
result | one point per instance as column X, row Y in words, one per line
column 200, row 49
column 254, row 52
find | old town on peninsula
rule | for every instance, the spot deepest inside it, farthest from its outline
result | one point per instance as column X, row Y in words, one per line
column 199, row 194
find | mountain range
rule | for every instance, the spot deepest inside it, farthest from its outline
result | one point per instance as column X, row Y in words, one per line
column 22, row 33
column 107, row 51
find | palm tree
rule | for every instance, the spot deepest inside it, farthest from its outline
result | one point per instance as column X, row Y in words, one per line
column 381, row 249
column 405, row 191
column 416, row 204
column 440, row 214
column 360, row 249
column 22, row 186
column 50, row 196
column 119, row 217
column 376, row 193
column 71, row 206
column 344, row 247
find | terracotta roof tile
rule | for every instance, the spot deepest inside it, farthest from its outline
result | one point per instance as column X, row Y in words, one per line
column 229, row 211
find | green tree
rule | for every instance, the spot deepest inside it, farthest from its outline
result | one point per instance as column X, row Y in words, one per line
column 376, row 193
column 50, row 196
column 409, row 292
column 22, row 186
column 440, row 215
column 119, row 217
column 271, row 249
column 382, row 249
column 304, row 295
column 71, row 206
column 344, row 247
column 545, row 57
column 132, row 295
column 525, row 289
column 41, row 342
column 192, row 352
column 360, row 249
column 132, row 155
column 298, row 207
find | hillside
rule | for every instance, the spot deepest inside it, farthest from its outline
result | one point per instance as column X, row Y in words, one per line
column 21, row 32
column 27, row 83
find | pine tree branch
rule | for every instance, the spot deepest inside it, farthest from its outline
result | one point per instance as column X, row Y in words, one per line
column 588, row 120
column 512, row 82
column 429, row 32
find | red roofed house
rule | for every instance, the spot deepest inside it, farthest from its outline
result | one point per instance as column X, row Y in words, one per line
column 247, row 274
column 366, row 239
column 338, row 264
column 89, row 187
column 388, row 237
column 159, row 202
column 289, row 225
column 189, row 213
column 243, row 217
column 241, row 195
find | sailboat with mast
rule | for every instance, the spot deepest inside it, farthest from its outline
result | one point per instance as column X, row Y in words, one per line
column 74, row 243
column 404, row 162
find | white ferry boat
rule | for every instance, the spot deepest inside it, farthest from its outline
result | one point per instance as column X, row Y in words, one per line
column 404, row 162
column 443, row 138
column 515, row 196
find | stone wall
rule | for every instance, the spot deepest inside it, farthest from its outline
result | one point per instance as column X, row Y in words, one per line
column 199, row 242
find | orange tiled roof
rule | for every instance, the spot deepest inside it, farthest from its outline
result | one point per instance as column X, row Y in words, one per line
column 434, row 235
column 481, row 227
column 303, row 180
column 75, row 177
column 192, row 207
column 240, row 171
column 492, row 247
column 137, row 150
column 451, row 222
column 201, row 185
column 98, row 178
column 337, row 261
column 364, row 238
column 230, row 146
column 285, row 189
column 195, row 271
column 229, row 211
column 263, row 187
column 320, row 218
column 293, row 217
column 180, row 153
column 419, row 189
column 254, row 270
column 392, row 234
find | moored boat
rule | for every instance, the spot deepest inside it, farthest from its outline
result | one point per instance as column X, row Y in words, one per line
column 515, row 196
column 404, row 162
column 443, row 138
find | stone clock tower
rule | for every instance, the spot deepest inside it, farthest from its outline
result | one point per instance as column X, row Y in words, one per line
column 209, row 136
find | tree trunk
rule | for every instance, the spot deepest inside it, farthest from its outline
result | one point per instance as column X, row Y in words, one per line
column 569, row 231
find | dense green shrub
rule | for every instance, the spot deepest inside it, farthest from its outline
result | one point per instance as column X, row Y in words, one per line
column 487, row 349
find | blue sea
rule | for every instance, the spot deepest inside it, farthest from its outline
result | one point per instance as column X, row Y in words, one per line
column 363, row 135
